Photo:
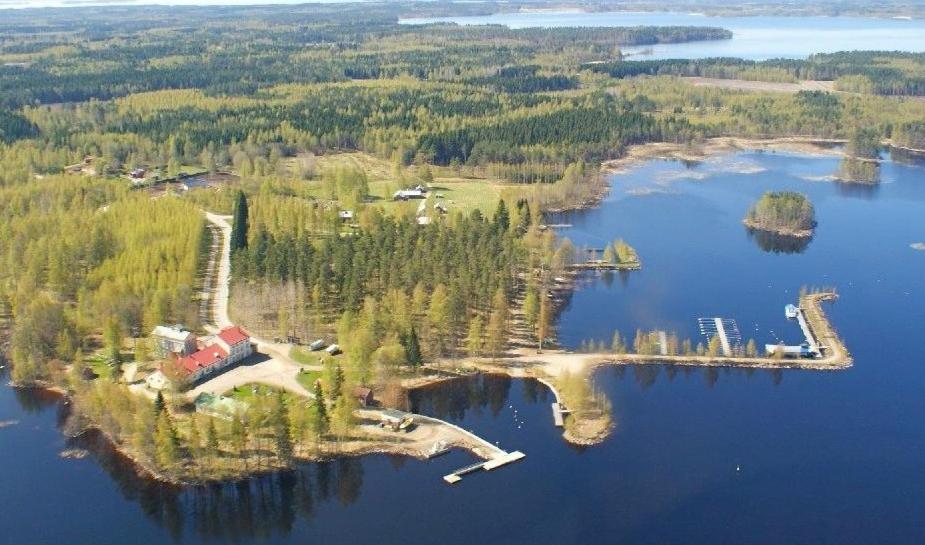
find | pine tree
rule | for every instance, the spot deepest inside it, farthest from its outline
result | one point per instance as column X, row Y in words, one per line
column 239, row 227
column 502, row 217
column 413, row 349
column 321, row 421
column 337, row 384
column 166, row 443
column 211, row 437
column 281, row 429
column 159, row 404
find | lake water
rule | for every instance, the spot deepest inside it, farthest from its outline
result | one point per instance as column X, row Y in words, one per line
column 824, row 457
column 753, row 37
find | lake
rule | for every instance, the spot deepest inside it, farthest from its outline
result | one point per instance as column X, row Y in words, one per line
column 822, row 457
column 754, row 38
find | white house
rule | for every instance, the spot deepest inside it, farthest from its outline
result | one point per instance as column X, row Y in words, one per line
column 173, row 339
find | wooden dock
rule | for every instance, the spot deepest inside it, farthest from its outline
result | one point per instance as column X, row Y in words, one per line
column 487, row 465
column 557, row 415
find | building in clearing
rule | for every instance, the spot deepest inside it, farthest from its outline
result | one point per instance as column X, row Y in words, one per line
column 406, row 194
column 173, row 339
column 230, row 346
column 363, row 395
column 219, row 406
column 157, row 381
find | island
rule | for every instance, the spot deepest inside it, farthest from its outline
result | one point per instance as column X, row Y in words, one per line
column 861, row 163
column 782, row 212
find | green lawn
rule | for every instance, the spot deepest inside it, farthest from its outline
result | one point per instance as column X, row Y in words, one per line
column 251, row 390
column 307, row 379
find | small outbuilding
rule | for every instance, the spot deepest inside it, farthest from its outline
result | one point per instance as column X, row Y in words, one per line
column 363, row 395
column 157, row 381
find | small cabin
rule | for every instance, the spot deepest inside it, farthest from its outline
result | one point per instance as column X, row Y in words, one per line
column 363, row 395
column 407, row 194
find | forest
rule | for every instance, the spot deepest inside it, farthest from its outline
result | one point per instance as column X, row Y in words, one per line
column 876, row 72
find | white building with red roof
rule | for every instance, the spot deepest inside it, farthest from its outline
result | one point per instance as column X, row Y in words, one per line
column 228, row 347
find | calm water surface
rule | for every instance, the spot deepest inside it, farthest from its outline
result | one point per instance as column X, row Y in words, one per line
column 825, row 458
column 753, row 37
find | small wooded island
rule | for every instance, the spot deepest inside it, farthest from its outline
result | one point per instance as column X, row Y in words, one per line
column 782, row 212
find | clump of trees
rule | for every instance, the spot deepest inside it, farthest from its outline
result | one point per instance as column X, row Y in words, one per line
column 783, row 212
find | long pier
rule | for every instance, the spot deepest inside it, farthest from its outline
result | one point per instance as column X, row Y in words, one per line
column 808, row 333
column 487, row 465
column 723, row 339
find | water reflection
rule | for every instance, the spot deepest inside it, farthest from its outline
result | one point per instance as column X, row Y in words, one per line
column 257, row 508
column 452, row 400
column 776, row 243
column 907, row 157
column 859, row 190
column 646, row 376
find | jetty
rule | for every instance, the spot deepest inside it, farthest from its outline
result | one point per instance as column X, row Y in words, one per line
column 811, row 347
column 487, row 465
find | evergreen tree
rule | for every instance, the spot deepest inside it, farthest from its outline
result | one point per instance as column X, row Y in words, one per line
column 413, row 349
column 502, row 217
column 211, row 438
column 281, row 429
column 166, row 443
column 321, row 422
column 337, row 384
column 239, row 227
column 159, row 404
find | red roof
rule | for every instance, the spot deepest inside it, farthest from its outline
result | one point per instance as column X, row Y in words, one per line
column 209, row 355
column 233, row 335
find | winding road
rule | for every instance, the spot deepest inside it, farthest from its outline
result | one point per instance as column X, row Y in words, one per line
column 273, row 367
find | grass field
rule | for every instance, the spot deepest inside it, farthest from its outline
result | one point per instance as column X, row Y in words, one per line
column 455, row 191
column 307, row 379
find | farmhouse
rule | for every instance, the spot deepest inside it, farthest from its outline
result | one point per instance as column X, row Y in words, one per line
column 406, row 194
column 230, row 346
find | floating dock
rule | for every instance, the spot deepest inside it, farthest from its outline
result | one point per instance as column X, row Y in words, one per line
column 557, row 414
column 726, row 329
column 487, row 465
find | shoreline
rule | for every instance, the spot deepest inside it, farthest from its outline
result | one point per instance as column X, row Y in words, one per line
column 526, row 363
column 711, row 147
column 756, row 226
